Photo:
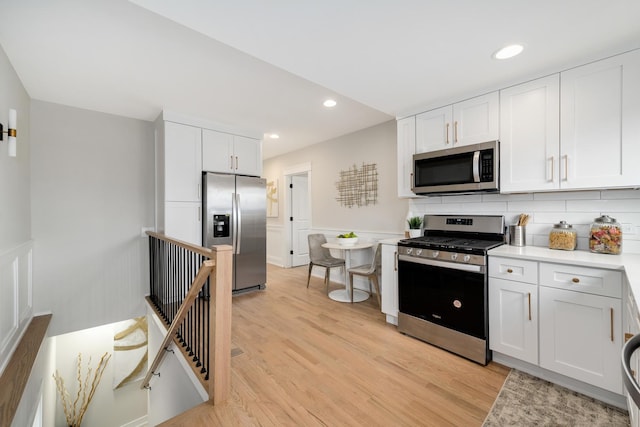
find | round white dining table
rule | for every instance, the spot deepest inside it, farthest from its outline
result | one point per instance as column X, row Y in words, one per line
column 342, row 295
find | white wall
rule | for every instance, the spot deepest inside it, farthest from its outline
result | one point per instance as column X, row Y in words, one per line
column 15, row 200
column 377, row 145
column 578, row 208
column 109, row 407
column 176, row 389
column 92, row 187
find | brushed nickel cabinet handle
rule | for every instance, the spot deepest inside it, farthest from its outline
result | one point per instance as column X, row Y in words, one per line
column 575, row 280
column 611, row 323
column 529, row 306
column 231, row 162
column 236, row 162
column 566, row 167
column 553, row 162
column 447, row 126
column 455, row 131
column 395, row 265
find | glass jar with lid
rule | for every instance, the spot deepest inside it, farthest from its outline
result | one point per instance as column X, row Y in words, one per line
column 563, row 236
column 605, row 236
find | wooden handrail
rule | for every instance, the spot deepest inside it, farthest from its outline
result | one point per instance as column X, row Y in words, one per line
column 196, row 286
column 209, row 253
column 219, row 270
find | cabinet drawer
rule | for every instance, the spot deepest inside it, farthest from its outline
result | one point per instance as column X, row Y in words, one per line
column 513, row 269
column 582, row 279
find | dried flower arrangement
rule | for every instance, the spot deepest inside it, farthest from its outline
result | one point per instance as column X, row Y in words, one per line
column 86, row 390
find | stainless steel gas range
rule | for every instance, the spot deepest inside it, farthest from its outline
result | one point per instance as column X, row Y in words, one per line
column 442, row 283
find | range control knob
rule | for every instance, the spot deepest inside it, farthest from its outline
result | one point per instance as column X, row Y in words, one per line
column 409, row 251
column 435, row 254
column 418, row 252
column 454, row 257
column 466, row 258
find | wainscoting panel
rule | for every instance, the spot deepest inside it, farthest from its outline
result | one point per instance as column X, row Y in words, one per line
column 276, row 245
column 16, row 304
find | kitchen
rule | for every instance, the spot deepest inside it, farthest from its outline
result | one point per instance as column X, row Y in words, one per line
column 376, row 144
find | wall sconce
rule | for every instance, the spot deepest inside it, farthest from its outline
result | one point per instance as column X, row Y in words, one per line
column 11, row 132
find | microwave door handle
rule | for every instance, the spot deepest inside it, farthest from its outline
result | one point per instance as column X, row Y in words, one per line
column 476, row 166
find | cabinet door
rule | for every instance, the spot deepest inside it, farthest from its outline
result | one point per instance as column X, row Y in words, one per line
column 599, row 123
column 476, row 120
column 530, row 136
column 217, row 151
column 406, row 149
column 389, row 287
column 433, row 130
column 182, row 162
column 183, row 221
column 632, row 328
column 513, row 319
column 581, row 336
column 247, row 156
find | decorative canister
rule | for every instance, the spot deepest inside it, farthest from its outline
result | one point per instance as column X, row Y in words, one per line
column 605, row 236
column 563, row 236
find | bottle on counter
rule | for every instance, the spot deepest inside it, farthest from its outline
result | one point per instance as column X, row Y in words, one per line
column 563, row 236
column 605, row 236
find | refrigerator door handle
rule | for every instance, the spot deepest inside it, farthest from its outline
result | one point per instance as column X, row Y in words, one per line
column 238, row 223
column 234, row 222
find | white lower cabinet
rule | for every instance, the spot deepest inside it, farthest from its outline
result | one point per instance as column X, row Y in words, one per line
column 580, row 336
column 563, row 318
column 513, row 319
column 632, row 327
column 389, row 291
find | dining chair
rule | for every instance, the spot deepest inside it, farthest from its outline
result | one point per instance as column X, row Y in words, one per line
column 321, row 257
column 371, row 271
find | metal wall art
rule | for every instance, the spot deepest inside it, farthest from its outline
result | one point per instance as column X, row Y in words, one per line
column 358, row 186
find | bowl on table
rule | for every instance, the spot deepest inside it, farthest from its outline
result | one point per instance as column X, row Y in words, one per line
column 347, row 241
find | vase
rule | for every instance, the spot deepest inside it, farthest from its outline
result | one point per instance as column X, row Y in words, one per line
column 415, row 232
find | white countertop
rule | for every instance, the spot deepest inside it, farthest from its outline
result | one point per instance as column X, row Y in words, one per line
column 629, row 263
column 391, row 241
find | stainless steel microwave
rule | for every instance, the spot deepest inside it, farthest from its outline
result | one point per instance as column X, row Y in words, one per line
column 467, row 169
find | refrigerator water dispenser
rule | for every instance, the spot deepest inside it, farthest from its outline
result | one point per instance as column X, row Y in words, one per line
column 221, row 225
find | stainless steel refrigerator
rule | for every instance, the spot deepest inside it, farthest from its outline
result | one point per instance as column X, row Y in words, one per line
column 235, row 213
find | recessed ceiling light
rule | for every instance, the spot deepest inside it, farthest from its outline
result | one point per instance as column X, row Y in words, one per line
column 274, row 136
column 509, row 51
column 329, row 103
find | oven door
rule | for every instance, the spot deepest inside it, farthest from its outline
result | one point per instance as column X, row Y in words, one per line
column 447, row 294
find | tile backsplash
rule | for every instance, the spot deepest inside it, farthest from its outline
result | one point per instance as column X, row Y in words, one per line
column 578, row 208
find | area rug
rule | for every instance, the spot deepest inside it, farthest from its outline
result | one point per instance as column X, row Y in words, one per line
column 529, row 401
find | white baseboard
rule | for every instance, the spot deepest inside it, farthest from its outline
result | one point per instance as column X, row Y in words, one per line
column 139, row 422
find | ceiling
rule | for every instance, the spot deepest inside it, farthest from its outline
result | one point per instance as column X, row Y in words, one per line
column 266, row 66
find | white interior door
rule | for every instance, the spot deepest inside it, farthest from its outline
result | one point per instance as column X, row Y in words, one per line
column 300, row 219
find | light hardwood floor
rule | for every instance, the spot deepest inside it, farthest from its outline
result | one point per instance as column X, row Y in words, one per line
column 305, row 360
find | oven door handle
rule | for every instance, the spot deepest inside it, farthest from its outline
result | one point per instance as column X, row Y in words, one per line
column 443, row 264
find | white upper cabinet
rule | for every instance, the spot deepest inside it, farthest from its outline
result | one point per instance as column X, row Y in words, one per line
column 530, row 136
column 248, row 155
column 468, row 122
column 182, row 162
column 600, row 106
column 224, row 152
column 433, row 130
column 406, row 149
